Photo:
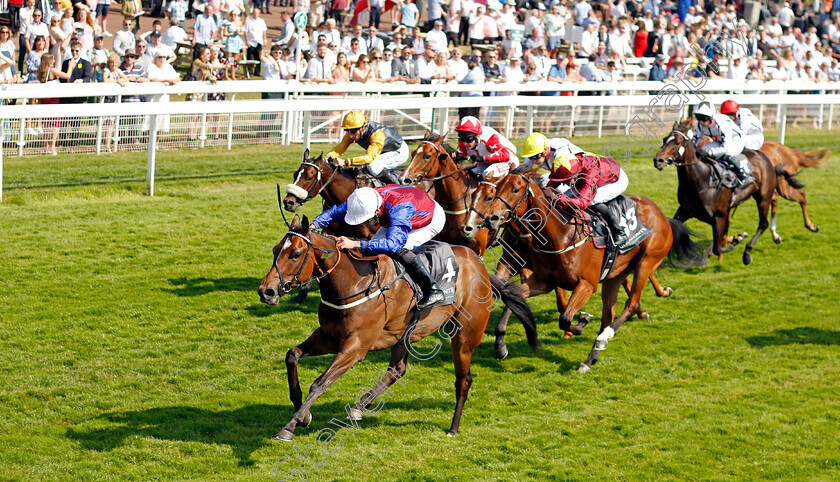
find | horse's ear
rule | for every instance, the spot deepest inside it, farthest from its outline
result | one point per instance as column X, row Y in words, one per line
column 296, row 220
column 321, row 156
column 442, row 138
column 305, row 225
column 306, row 154
column 427, row 135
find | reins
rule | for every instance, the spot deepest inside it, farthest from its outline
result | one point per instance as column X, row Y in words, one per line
column 324, row 185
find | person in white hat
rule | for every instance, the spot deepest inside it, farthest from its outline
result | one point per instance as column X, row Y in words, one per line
column 408, row 217
column 727, row 138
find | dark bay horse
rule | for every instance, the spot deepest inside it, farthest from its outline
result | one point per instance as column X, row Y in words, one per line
column 563, row 257
column 365, row 306
column 788, row 162
column 700, row 199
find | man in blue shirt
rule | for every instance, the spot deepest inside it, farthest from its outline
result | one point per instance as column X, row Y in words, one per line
column 205, row 28
column 657, row 72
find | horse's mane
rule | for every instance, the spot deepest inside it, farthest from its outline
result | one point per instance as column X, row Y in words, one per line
column 446, row 147
column 526, row 171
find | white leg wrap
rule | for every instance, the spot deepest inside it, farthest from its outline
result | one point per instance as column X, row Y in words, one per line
column 607, row 334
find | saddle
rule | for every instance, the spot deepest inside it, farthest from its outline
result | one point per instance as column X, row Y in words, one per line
column 636, row 231
column 442, row 265
column 722, row 174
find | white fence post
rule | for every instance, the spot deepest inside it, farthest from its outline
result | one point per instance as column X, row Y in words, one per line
column 782, row 119
column 21, row 142
column 150, row 166
column 307, row 129
column 529, row 120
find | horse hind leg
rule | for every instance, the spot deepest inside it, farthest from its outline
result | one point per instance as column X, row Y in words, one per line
column 798, row 195
column 609, row 297
column 774, row 207
column 500, row 350
column 763, row 223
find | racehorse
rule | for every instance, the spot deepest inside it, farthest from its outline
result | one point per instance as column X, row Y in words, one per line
column 700, row 198
column 790, row 161
column 356, row 316
column 562, row 256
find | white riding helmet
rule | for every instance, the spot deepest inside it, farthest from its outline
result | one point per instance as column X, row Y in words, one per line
column 362, row 205
column 705, row 108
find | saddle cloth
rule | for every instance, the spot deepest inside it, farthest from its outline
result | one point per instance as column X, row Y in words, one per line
column 442, row 265
column 721, row 172
column 625, row 207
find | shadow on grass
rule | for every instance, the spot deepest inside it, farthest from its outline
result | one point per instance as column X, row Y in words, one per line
column 245, row 430
column 201, row 286
column 804, row 335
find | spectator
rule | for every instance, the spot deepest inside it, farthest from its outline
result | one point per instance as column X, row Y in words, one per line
column 47, row 74
column 33, row 58
column 589, row 41
column 590, row 72
column 319, row 68
column 255, row 37
column 786, row 16
column 124, row 39
column 452, row 21
column 384, row 66
column 287, row 29
column 657, row 71
column 232, row 33
column 36, row 28
column 405, row 68
column 7, row 45
column 532, row 75
column 410, row 15
column 675, row 71
column 144, row 60
column 205, row 29
column 513, row 70
column 25, row 17
column 475, row 75
column 358, row 30
column 174, row 35
column 355, row 51
column 155, row 44
column 102, row 9
column 457, row 65
column 437, row 37
column 542, row 61
column 555, row 25
column 363, row 71
column 737, row 71
column 375, row 7
column 434, row 12
column 373, row 41
column 582, row 10
column 533, row 41
column 111, row 73
column 79, row 71
column 397, row 42
column 177, row 10
column 416, row 40
column 341, row 70
column 442, row 71
column 640, row 40
column 337, row 8
column 161, row 71
column 492, row 70
column 131, row 11
column 99, row 57
column 426, row 65
column 509, row 47
column 476, row 23
column 14, row 8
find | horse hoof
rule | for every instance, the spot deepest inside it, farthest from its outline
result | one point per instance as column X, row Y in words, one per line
column 354, row 414
column 307, row 421
column 816, row 228
column 584, row 317
column 667, row 292
column 576, row 330
column 568, row 334
column 747, row 258
column 501, row 353
column 451, row 433
column 777, row 238
column 285, row 435
column 583, row 368
column 643, row 315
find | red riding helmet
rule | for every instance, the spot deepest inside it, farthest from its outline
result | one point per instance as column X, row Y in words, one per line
column 729, row 107
column 469, row 124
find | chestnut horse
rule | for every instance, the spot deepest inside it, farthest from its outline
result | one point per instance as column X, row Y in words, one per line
column 563, row 256
column 699, row 199
column 791, row 161
column 356, row 316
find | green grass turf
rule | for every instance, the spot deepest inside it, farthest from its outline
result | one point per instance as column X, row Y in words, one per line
column 134, row 346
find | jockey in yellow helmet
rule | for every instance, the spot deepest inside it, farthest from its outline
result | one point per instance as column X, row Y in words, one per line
column 385, row 148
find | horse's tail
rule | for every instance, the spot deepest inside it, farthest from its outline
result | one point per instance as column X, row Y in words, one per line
column 511, row 296
column 685, row 252
column 813, row 158
column 790, row 178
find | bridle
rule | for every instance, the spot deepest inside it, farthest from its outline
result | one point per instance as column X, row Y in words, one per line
column 318, row 177
column 681, row 151
column 288, row 286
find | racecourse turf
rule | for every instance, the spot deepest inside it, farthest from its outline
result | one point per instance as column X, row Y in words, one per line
column 134, row 346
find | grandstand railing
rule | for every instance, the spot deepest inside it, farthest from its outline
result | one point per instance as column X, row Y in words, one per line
column 305, row 117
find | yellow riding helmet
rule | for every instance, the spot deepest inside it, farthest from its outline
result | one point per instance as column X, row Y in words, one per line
column 353, row 120
column 535, row 144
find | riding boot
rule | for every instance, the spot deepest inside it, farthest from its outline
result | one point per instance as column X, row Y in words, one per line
column 619, row 239
column 387, row 176
column 740, row 172
column 432, row 294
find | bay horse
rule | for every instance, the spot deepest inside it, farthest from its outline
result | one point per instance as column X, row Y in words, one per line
column 711, row 204
column 562, row 256
column 791, row 161
column 356, row 316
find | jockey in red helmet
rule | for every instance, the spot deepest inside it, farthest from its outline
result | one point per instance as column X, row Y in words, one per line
column 492, row 152
column 750, row 126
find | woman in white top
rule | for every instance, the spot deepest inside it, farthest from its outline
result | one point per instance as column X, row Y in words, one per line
column 47, row 74
column 112, row 74
column 362, row 71
column 161, row 71
column 58, row 39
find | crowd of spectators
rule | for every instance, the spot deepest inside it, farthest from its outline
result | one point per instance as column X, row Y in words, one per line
column 432, row 41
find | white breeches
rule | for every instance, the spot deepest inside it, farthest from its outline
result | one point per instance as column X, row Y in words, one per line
column 496, row 169
column 754, row 142
column 611, row 191
column 422, row 235
column 388, row 160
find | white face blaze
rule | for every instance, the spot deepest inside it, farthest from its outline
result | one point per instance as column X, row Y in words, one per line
column 286, row 245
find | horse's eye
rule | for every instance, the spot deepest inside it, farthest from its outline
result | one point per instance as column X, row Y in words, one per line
column 309, row 177
column 516, row 190
column 295, row 254
column 428, row 156
column 489, row 199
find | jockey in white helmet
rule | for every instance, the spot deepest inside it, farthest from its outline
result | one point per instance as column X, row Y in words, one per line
column 750, row 126
column 727, row 138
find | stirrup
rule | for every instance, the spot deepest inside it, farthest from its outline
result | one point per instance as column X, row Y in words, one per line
column 434, row 297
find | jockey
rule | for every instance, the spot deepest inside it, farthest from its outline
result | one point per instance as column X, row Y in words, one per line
column 385, row 148
column 602, row 178
column 492, row 152
column 727, row 138
column 409, row 218
column 750, row 126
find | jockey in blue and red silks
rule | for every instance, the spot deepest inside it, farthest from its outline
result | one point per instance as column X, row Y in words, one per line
column 408, row 218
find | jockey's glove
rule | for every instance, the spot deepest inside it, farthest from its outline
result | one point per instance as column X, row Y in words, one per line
column 476, row 158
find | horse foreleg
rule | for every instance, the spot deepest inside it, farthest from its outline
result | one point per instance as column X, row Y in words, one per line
column 662, row 292
column 609, row 297
column 349, row 353
column 386, row 377
column 562, row 301
column 640, row 312
column 317, row 344
column 719, row 228
column 500, row 350
column 763, row 208
column 581, row 294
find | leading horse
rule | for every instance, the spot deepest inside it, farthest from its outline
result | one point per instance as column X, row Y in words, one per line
column 356, row 316
column 700, row 197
